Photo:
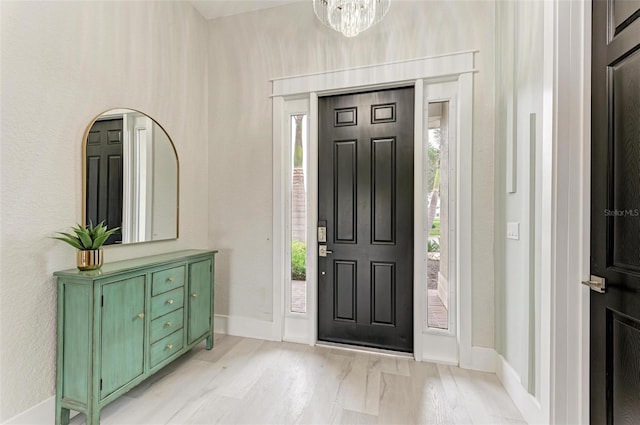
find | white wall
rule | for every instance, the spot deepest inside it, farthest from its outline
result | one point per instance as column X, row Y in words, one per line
column 519, row 31
column 246, row 50
column 62, row 64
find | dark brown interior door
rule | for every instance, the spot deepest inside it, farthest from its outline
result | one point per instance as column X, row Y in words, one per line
column 105, row 175
column 365, row 285
column 615, row 213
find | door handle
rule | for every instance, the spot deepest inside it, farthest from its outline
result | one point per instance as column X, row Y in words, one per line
column 596, row 283
column 323, row 251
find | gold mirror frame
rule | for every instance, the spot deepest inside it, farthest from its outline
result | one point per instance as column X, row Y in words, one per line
column 84, row 170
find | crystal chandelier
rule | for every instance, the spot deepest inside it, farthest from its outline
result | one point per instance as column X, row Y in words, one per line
column 350, row 17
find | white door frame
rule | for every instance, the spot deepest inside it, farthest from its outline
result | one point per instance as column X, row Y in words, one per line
column 452, row 67
column 566, row 190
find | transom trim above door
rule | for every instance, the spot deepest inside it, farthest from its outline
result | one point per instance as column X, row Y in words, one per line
column 376, row 76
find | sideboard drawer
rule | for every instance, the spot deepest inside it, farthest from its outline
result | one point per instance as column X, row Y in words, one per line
column 166, row 347
column 164, row 325
column 167, row 302
column 167, row 280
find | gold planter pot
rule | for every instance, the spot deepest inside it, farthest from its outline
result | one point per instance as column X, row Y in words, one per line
column 90, row 260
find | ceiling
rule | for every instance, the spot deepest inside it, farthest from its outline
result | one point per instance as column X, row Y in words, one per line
column 212, row 9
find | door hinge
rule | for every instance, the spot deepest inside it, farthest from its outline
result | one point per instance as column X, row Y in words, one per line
column 100, row 384
column 101, row 300
column 596, row 283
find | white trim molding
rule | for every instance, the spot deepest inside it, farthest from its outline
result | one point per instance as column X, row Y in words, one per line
column 279, row 206
column 484, row 359
column 527, row 404
column 419, row 291
column 296, row 326
column 43, row 413
column 566, row 314
column 312, row 217
column 392, row 73
column 464, row 218
column 247, row 327
column 442, row 345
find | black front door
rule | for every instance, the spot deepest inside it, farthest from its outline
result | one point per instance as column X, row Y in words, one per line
column 615, row 213
column 104, row 176
column 365, row 283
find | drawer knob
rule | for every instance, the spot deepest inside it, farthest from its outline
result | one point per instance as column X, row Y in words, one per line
column 169, row 324
column 169, row 346
column 194, row 295
column 170, row 302
column 141, row 315
column 170, row 279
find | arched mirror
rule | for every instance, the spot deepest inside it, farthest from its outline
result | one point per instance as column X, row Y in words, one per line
column 131, row 176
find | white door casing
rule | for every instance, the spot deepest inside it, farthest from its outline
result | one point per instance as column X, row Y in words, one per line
column 427, row 75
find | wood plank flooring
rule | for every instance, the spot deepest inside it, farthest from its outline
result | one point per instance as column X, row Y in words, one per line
column 249, row 381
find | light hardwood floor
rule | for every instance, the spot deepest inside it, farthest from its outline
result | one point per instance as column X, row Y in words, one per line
column 249, row 381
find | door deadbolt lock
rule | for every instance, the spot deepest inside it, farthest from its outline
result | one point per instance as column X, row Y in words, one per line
column 322, row 234
column 323, row 251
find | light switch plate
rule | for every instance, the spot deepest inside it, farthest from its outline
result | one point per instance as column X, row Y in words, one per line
column 513, row 230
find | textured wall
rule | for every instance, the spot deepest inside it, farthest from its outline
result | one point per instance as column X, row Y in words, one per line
column 62, row 64
column 246, row 50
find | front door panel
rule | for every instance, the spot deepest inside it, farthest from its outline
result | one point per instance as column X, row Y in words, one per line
column 615, row 213
column 365, row 292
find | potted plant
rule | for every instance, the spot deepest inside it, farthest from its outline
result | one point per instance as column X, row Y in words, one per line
column 88, row 241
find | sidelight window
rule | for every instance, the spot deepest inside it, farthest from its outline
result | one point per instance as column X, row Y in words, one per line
column 298, row 211
column 438, row 193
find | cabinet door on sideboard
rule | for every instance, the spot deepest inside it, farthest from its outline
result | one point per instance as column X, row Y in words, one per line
column 122, row 338
column 200, row 305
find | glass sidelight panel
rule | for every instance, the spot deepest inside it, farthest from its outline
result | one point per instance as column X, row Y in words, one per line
column 439, row 214
column 298, row 203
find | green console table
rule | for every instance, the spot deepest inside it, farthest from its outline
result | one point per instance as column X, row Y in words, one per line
column 119, row 325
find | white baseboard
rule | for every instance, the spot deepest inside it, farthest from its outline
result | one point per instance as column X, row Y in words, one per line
column 525, row 402
column 43, row 413
column 302, row 341
column 437, row 348
column 246, row 327
column 483, row 359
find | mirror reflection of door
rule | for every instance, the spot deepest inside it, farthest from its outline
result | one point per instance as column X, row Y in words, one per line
column 131, row 177
column 138, row 190
column 104, row 163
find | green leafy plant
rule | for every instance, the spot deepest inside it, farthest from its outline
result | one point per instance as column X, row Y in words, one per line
column 433, row 245
column 87, row 238
column 298, row 261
